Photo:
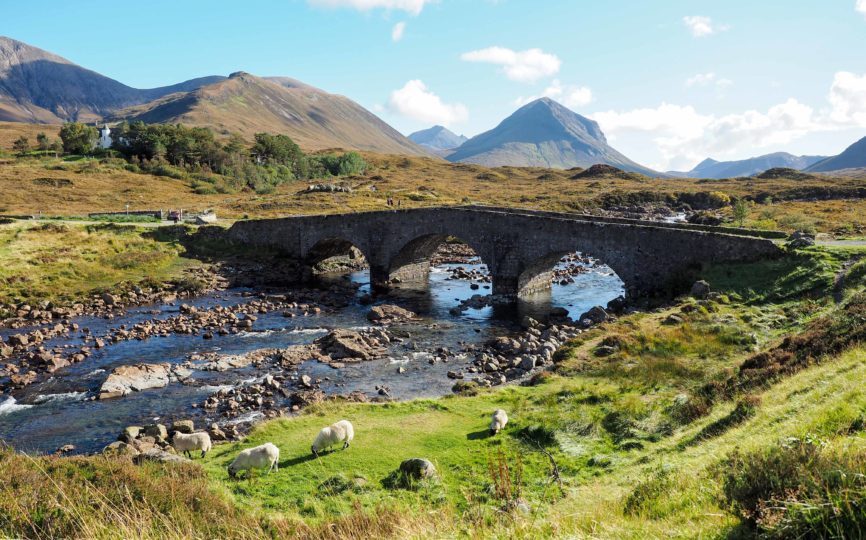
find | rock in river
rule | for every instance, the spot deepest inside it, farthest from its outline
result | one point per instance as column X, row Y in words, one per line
column 126, row 379
column 388, row 313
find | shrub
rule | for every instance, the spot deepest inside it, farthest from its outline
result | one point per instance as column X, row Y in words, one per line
column 798, row 490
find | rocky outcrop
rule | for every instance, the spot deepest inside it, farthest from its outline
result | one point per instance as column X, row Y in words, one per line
column 124, row 380
column 388, row 314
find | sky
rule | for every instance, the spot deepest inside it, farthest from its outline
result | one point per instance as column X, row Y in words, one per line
column 671, row 82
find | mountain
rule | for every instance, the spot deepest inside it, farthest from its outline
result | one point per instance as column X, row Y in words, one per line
column 41, row 87
column 854, row 157
column 544, row 134
column 710, row 168
column 247, row 104
column 438, row 139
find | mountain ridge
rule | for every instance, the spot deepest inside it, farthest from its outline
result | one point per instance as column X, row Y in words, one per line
column 713, row 169
column 853, row 157
column 42, row 87
column 247, row 104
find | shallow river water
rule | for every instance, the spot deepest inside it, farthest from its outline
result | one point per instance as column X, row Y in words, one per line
column 59, row 411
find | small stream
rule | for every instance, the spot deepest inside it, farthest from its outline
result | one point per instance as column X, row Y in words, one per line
column 44, row 416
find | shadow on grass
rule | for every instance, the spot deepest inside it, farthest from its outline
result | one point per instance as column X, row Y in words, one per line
column 478, row 435
column 300, row 459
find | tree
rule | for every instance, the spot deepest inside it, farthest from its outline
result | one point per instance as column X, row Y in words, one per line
column 21, row 145
column 741, row 212
column 42, row 141
column 78, row 138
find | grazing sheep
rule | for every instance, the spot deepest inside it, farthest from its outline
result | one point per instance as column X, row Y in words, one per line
column 341, row 432
column 498, row 422
column 183, row 442
column 259, row 457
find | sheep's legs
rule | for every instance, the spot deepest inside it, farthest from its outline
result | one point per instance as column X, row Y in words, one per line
column 345, row 445
column 203, row 452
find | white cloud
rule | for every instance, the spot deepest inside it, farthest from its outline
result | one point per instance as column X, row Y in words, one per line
column 683, row 135
column 568, row 95
column 707, row 79
column 412, row 7
column 523, row 66
column 415, row 101
column 397, row 31
column 861, row 6
column 701, row 26
column 848, row 98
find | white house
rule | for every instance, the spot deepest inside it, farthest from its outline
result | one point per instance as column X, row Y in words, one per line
column 104, row 137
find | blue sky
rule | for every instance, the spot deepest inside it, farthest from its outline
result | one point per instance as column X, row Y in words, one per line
column 670, row 82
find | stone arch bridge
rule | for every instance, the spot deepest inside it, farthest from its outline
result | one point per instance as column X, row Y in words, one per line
column 519, row 247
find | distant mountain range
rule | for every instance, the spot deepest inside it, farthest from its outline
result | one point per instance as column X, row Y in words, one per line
column 854, row 157
column 39, row 87
column 710, row 168
column 544, row 134
column 438, row 139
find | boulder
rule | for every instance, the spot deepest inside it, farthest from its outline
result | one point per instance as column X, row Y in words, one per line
column 800, row 239
column 134, row 378
column 19, row 340
column 596, row 315
column 129, row 433
column 388, row 313
column 157, row 431
column 348, row 345
column 415, row 469
column 119, row 449
column 159, row 456
column 183, row 426
column 701, row 289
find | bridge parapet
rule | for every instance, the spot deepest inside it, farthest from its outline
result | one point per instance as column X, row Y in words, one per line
column 518, row 246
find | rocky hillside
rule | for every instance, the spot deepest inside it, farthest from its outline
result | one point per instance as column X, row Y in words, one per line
column 710, row 168
column 438, row 139
column 544, row 134
column 854, row 157
column 41, row 87
column 247, row 104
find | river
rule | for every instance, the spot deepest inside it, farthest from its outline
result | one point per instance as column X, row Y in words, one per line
column 61, row 410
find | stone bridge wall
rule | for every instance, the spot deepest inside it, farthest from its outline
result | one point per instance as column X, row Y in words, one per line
column 516, row 246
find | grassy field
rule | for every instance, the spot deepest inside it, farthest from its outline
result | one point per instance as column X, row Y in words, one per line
column 81, row 186
column 65, row 262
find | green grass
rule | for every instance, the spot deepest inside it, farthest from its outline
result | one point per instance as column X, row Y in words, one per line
column 63, row 263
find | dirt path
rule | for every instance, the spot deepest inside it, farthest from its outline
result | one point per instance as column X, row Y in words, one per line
column 839, row 283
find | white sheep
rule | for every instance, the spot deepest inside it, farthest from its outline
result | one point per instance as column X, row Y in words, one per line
column 498, row 422
column 183, row 442
column 341, row 432
column 259, row 457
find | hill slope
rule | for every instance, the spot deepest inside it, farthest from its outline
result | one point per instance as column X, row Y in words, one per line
column 438, row 139
column 247, row 104
column 544, row 134
column 38, row 86
column 852, row 158
column 710, row 168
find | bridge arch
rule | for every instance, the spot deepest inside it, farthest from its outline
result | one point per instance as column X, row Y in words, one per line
column 411, row 263
column 334, row 253
column 537, row 275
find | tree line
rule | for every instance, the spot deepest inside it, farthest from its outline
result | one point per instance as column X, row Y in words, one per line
column 177, row 150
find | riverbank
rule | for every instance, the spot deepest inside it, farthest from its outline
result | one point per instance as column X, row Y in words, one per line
column 621, row 443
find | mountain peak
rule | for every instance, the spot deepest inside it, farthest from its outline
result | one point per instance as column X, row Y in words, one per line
column 437, row 138
column 544, row 133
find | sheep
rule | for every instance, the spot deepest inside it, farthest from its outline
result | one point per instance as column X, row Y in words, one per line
column 342, row 431
column 498, row 422
column 259, row 457
column 185, row 443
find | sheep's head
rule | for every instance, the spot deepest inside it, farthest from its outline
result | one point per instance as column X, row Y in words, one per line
column 232, row 472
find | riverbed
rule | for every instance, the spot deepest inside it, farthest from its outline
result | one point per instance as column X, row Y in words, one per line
column 63, row 410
